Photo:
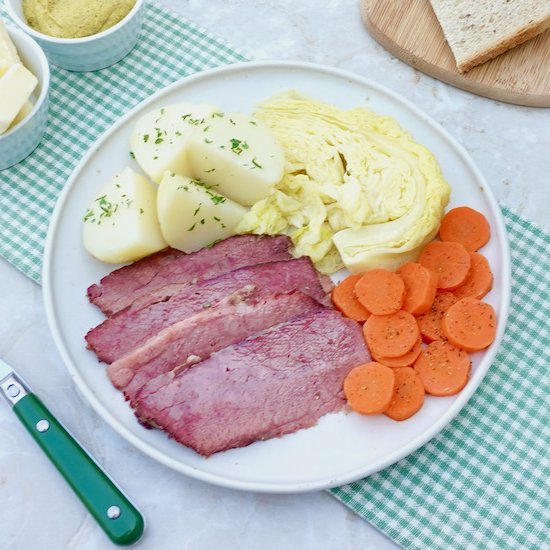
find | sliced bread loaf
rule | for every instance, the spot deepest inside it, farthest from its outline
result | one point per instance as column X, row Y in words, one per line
column 478, row 30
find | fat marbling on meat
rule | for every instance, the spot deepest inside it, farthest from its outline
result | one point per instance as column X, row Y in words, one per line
column 170, row 270
column 133, row 326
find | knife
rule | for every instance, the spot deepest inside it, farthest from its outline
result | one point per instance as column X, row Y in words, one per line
column 112, row 510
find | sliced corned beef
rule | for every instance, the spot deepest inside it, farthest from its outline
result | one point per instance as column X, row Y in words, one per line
column 196, row 337
column 273, row 383
column 132, row 326
column 171, row 267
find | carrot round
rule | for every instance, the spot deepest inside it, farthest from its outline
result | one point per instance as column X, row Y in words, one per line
column 429, row 323
column 408, row 394
column 369, row 388
column 391, row 335
column 420, row 287
column 450, row 260
column 479, row 280
column 443, row 368
column 405, row 360
column 470, row 324
column 466, row 226
column 381, row 291
column 345, row 301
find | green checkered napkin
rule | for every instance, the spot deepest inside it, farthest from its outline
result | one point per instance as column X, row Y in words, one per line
column 82, row 107
column 483, row 482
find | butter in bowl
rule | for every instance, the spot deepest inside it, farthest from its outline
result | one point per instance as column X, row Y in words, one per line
column 24, row 84
column 80, row 35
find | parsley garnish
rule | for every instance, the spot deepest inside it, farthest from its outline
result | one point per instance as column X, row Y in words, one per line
column 238, row 146
column 159, row 139
column 217, row 199
column 89, row 214
column 220, row 222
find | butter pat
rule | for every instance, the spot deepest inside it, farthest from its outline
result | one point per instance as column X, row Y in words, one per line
column 8, row 51
column 16, row 86
column 4, row 66
column 25, row 110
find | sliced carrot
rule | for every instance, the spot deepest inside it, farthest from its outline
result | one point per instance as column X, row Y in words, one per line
column 420, row 286
column 381, row 291
column 429, row 323
column 470, row 324
column 346, row 302
column 443, row 368
column 369, row 388
column 466, row 226
column 391, row 335
column 450, row 260
column 479, row 280
column 405, row 360
column 408, row 394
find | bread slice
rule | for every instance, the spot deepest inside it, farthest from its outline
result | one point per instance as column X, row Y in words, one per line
column 478, row 30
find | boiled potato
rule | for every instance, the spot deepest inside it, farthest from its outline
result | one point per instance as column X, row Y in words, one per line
column 193, row 215
column 159, row 140
column 238, row 154
column 121, row 223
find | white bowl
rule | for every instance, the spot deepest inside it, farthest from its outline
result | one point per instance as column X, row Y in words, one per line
column 21, row 140
column 89, row 53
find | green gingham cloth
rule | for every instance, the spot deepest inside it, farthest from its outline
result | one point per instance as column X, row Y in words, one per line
column 483, row 481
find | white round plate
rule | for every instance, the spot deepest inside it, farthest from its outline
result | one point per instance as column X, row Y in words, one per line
column 342, row 447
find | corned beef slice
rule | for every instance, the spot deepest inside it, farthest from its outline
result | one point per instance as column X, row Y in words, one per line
column 274, row 382
column 198, row 336
column 132, row 326
column 171, row 267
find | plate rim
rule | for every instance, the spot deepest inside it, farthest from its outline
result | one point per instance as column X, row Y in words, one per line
column 270, row 487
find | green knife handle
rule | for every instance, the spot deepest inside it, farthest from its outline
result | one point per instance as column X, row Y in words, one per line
column 116, row 515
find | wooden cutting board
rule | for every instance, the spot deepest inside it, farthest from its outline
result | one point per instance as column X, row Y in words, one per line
column 410, row 30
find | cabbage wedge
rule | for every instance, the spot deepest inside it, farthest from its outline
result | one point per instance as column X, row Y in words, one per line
column 358, row 191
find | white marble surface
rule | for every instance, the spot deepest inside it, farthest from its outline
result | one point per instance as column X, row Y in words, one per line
column 510, row 144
